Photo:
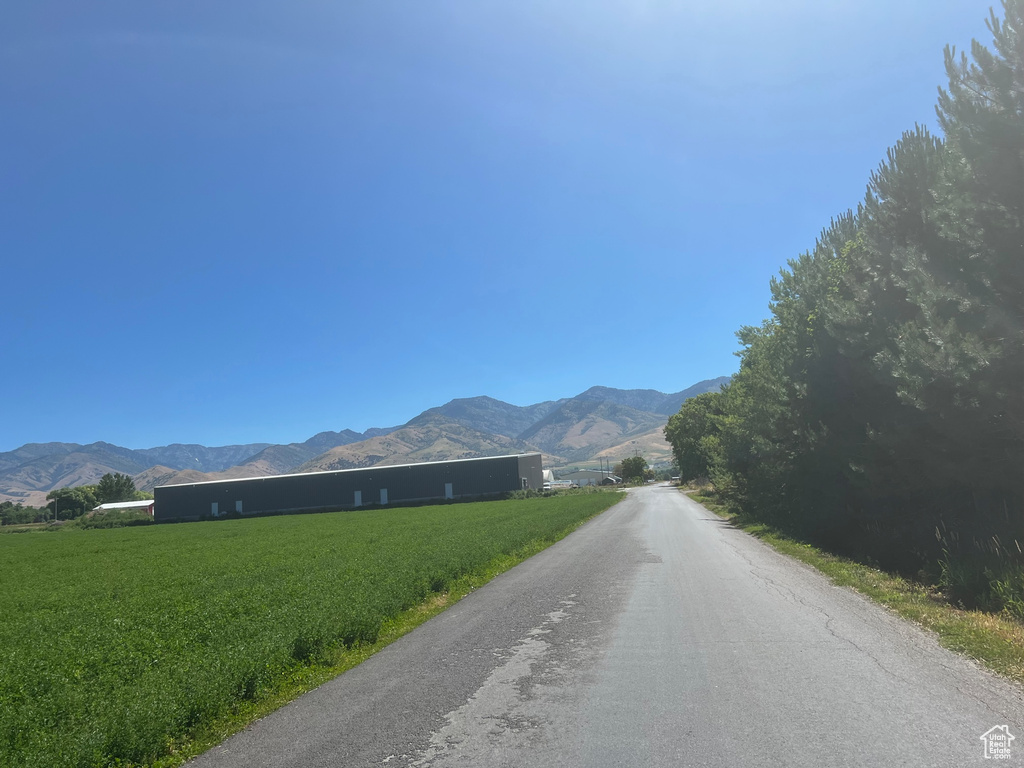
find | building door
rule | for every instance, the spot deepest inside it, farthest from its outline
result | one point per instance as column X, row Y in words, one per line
column 383, row 495
column 358, row 501
column 213, row 509
column 448, row 491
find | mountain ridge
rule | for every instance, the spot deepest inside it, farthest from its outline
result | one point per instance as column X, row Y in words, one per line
column 598, row 422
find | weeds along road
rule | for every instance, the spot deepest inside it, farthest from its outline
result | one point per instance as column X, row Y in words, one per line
column 656, row 635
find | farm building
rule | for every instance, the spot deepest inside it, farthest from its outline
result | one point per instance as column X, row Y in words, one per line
column 124, row 506
column 349, row 488
column 591, row 477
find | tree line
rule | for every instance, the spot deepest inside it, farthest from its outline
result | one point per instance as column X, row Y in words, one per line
column 879, row 411
column 72, row 503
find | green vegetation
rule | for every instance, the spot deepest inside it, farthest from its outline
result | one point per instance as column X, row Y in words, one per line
column 142, row 645
column 114, row 487
column 114, row 518
column 666, row 473
column 879, row 413
column 995, row 641
column 73, row 503
column 633, row 470
column 14, row 513
column 69, row 503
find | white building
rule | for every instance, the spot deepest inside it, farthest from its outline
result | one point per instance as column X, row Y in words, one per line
column 144, row 505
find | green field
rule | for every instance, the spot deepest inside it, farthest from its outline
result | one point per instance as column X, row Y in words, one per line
column 118, row 645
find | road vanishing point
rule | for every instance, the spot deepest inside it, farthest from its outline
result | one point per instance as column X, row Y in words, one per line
column 655, row 635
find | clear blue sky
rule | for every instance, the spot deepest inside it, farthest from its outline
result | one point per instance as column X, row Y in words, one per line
column 227, row 222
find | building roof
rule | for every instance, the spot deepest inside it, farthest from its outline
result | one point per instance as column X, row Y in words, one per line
column 124, row 505
column 355, row 469
column 582, row 474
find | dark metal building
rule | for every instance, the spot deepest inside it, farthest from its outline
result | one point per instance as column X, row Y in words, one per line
column 349, row 488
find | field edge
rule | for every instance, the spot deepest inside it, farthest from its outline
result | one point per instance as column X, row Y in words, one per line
column 995, row 641
column 308, row 678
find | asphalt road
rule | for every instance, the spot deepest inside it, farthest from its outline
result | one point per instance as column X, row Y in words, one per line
column 656, row 635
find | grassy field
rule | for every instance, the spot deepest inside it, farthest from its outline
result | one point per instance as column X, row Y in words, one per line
column 136, row 646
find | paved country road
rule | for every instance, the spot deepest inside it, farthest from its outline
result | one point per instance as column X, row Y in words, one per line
column 656, row 635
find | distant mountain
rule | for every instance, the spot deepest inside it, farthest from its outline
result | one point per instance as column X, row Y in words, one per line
column 77, row 465
column 651, row 445
column 650, row 400
column 489, row 415
column 285, row 458
column 198, row 456
column 434, row 438
column 31, row 451
column 27, row 473
column 584, row 425
column 154, row 476
column 602, row 422
column 46, row 458
column 672, row 403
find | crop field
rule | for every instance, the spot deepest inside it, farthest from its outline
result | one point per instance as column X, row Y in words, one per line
column 115, row 645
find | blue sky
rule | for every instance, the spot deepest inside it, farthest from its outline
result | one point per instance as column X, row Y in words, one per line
column 249, row 222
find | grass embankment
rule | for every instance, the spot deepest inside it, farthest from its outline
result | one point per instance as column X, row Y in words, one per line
column 995, row 640
column 144, row 646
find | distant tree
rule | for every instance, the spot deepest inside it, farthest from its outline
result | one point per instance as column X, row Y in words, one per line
column 665, row 473
column 114, row 487
column 634, row 468
column 13, row 513
column 69, row 503
column 693, row 435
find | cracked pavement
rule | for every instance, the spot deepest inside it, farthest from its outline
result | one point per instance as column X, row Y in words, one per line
column 656, row 635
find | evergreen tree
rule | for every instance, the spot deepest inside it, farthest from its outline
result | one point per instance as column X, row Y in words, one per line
column 114, row 487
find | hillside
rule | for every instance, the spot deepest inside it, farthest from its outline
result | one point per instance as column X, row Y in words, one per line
column 154, row 476
column 651, row 445
column 489, row 415
column 582, row 427
column 426, row 438
column 44, row 466
column 651, row 400
column 601, row 422
column 29, row 472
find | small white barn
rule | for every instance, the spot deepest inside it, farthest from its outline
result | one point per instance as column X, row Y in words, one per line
column 592, row 477
column 144, row 505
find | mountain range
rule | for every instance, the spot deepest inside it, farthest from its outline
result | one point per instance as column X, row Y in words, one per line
column 601, row 422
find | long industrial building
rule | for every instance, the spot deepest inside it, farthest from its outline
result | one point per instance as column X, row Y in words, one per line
column 349, row 488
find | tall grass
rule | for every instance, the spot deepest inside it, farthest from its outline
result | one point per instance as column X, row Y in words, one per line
column 115, row 644
column 982, row 573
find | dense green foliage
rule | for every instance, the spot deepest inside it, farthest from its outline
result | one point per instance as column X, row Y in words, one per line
column 633, row 469
column 692, row 433
column 14, row 513
column 880, row 410
column 73, row 503
column 115, row 518
column 114, row 643
column 69, row 503
column 114, row 487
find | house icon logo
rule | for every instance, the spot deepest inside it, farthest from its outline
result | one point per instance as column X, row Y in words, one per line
column 997, row 742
